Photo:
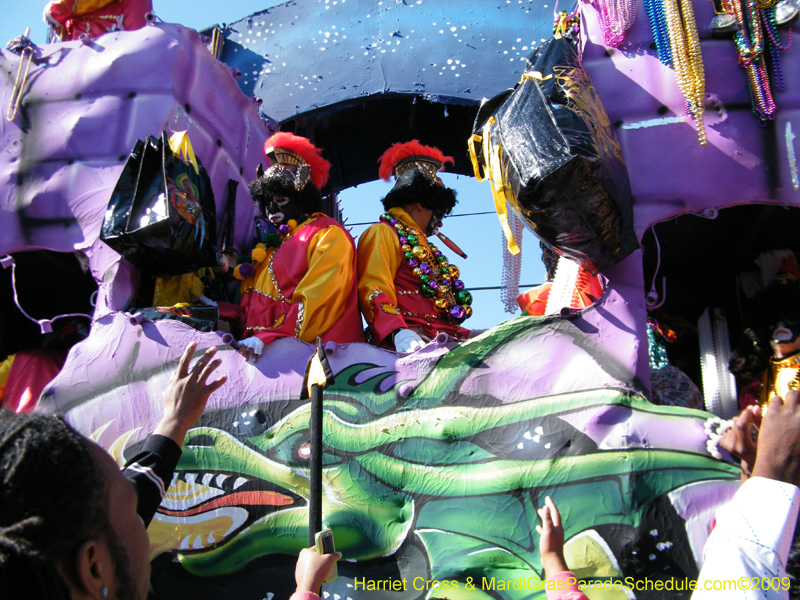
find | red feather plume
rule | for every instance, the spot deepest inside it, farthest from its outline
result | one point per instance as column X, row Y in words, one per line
column 320, row 168
column 399, row 151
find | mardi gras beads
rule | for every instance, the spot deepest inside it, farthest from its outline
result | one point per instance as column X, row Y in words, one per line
column 438, row 279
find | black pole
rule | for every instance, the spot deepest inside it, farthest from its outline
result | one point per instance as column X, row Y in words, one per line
column 318, row 376
column 315, row 471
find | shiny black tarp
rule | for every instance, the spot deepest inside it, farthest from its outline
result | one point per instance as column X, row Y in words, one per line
column 560, row 160
column 162, row 216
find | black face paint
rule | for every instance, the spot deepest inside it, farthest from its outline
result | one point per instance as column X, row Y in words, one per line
column 434, row 224
column 281, row 210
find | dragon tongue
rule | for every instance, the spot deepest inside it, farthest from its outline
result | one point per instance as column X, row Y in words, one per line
column 253, row 498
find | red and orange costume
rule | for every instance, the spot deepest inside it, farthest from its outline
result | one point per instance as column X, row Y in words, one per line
column 389, row 291
column 306, row 287
column 72, row 18
column 397, row 264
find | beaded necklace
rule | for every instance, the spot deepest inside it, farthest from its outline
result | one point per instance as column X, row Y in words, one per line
column 437, row 277
column 750, row 48
column 768, row 14
column 658, row 22
column 616, row 17
column 687, row 59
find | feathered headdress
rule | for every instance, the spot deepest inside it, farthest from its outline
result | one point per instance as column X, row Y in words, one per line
column 295, row 156
column 399, row 158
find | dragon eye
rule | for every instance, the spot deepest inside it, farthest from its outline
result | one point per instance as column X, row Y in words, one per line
column 304, row 452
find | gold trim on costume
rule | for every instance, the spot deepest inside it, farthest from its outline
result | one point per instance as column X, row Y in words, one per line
column 374, row 294
column 389, row 308
column 275, row 279
column 260, row 293
column 278, row 322
column 301, row 313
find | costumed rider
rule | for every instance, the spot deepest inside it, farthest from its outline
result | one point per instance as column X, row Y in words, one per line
column 770, row 357
column 407, row 289
column 302, row 281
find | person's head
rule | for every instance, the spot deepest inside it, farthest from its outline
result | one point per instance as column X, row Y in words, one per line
column 290, row 187
column 68, row 522
column 418, row 189
column 775, row 317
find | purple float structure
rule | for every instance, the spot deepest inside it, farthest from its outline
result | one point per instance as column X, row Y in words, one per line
column 83, row 107
column 420, row 445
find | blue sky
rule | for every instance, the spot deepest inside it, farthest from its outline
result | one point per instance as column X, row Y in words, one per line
column 478, row 235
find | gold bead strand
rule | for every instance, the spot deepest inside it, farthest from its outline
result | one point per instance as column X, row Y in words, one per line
column 687, row 59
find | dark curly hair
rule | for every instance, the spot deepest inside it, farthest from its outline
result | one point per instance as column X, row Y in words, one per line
column 263, row 189
column 413, row 186
column 43, row 520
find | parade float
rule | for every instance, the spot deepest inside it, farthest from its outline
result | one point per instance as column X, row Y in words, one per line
column 434, row 463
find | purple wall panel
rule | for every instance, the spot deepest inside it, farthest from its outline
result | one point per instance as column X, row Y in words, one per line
column 670, row 172
column 84, row 106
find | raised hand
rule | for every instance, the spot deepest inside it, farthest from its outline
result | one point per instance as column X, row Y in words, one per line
column 779, row 440
column 551, row 540
column 312, row 568
column 187, row 393
column 741, row 439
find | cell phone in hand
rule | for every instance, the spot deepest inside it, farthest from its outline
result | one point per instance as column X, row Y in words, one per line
column 323, row 541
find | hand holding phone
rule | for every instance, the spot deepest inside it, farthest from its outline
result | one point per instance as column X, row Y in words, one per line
column 324, row 545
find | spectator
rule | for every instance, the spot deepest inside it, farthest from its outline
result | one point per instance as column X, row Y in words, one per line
column 551, row 549
column 72, row 525
column 753, row 533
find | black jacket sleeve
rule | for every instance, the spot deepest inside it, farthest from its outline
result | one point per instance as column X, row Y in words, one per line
column 151, row 472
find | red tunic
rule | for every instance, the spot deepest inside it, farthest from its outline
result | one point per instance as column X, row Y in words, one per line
column 306, row 288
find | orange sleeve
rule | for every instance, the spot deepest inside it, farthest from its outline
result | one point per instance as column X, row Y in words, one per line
column 379, row 257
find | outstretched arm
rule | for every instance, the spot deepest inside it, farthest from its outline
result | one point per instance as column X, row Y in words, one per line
column 184, row 400
column 551, row 541
column 753, row 534
column 187, row 394
column 551, row 548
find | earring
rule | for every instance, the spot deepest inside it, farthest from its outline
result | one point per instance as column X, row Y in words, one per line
column 103, row 591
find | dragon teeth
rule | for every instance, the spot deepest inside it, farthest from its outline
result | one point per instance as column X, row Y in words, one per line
column 190, row 478
column 185, row 503
column 207, row 479
column 240, row 481
column 220, row 479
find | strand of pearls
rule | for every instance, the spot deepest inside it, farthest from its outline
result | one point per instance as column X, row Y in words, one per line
column 715, row 428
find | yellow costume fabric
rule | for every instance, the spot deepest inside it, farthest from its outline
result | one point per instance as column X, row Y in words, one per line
column 389, row 292
column 306, row 287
